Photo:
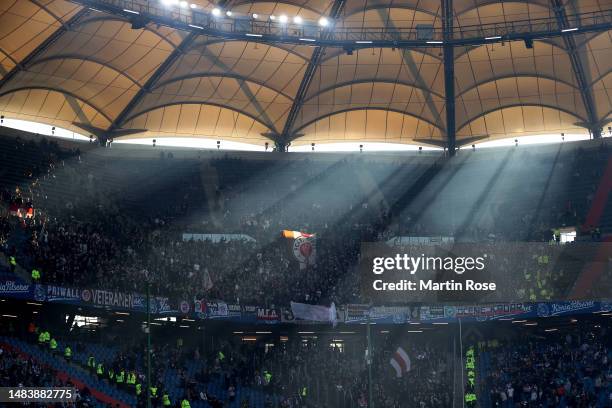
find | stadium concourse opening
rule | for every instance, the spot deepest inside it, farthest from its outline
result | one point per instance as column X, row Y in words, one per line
column 306, row 204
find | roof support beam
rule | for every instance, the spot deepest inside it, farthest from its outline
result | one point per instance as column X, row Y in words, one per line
column 42, row 47
column 579, row 72
column 449, row 77
column 286, row 136
column 152, row 81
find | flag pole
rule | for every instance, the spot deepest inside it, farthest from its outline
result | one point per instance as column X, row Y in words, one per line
column 148, row 344
column 369, row 361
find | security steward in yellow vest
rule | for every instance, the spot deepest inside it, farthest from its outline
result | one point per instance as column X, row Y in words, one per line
column 185, row 403
column 166, row 400
column 91, row 363
column 44, row 337
column 12, row 263
column 53, row 345
column 68, row 353
column 153, row 394
column 557, row 235
column 120, row 378
column 35, row 275
column 131, row 379
column 100, row 370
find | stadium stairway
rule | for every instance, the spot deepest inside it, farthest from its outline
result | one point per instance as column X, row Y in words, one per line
column 67, row 371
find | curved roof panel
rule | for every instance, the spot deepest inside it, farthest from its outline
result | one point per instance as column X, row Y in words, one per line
column 520, row 120
column 27, row 24
column 200, row 120
column 98, row 84
column 371, row 125
column 45, row 105
column 63, row 64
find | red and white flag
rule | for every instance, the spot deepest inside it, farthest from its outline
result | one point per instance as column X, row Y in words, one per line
column 400, row 362
column 303, row 246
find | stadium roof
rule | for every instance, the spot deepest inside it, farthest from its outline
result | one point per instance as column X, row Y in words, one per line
column 78, row 67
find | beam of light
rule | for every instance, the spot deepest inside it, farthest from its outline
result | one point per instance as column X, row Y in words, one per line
column 347, row 204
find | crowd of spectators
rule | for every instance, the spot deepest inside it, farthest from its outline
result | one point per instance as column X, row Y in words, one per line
column 574, row 370
column 115, row 221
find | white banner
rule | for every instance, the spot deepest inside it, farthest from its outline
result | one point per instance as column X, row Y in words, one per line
column 314, row 312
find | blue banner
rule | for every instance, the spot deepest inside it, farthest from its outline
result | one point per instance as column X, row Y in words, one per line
column 349, row 314
column 15, row 289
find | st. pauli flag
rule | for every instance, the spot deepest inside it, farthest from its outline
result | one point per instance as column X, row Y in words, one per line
column 315, row 313
column 303, row 247
column 400, row 362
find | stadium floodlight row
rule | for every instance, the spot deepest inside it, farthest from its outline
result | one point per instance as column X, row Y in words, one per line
column 272, row 31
